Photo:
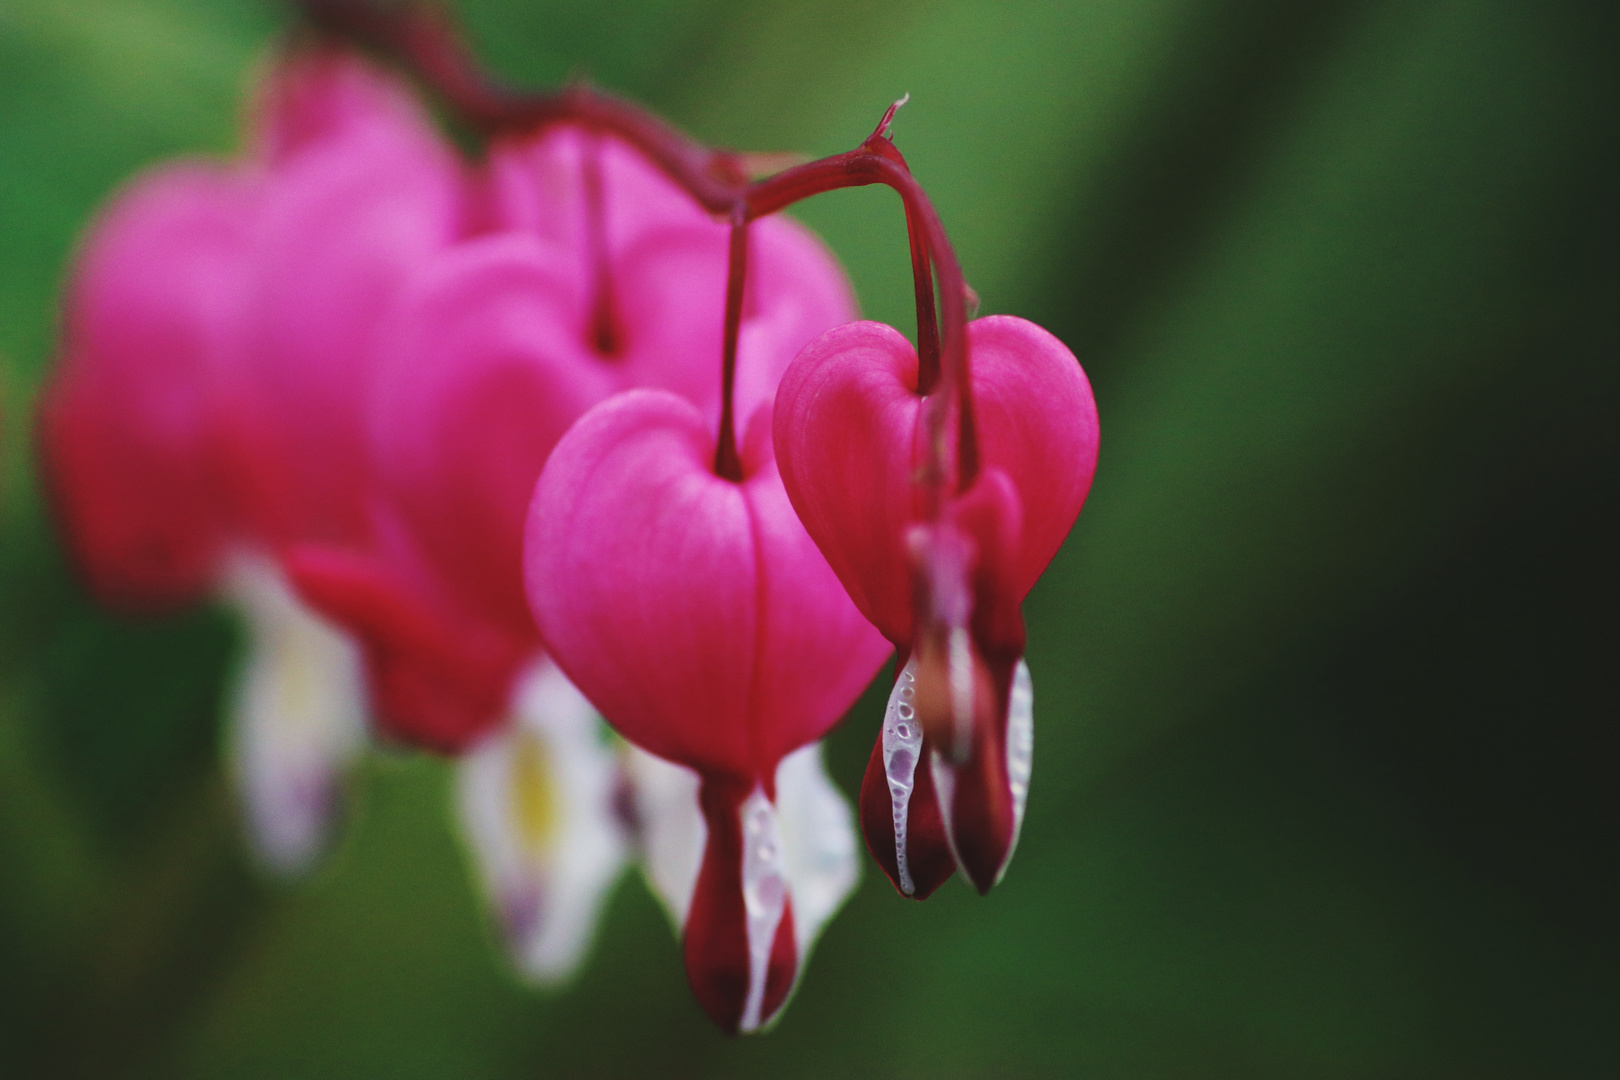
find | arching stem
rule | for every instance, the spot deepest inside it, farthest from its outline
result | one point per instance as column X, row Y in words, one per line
column 419, row 38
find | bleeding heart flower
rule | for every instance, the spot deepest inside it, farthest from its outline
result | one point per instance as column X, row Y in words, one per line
column 128, row 429
column 202, row 413
column 944, row 587
column 481, row 365
column 698, row 616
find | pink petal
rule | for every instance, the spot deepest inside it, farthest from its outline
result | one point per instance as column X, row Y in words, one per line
column 481, row 370
column 437, row 680
column 1037, row 421
column 317, row 94
column 847, row 417
column 127, row 427
column 694, row 612
column 344, row 225
column 846, row 422
column 538, row 185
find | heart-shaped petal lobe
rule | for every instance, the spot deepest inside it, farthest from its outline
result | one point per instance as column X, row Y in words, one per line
column 846, row 434
column 693, row 611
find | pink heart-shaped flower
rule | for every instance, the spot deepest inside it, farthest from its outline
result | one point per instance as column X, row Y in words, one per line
column 699, row 617
column 692, row 610
column 851, row 446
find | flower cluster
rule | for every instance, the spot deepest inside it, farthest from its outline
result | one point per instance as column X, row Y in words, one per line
column 488, row 451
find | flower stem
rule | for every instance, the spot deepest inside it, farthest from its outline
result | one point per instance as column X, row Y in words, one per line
column 421, row 39
column 726, row 462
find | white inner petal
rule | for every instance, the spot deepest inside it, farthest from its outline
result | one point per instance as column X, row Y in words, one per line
column 673, row 832
column 765, row 894
column 536, row 807
column 902, row 747
column 298, row 717
column 1020, row 751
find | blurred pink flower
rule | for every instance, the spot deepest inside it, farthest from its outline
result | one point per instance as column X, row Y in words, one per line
column 488, row 356
column 204, row 409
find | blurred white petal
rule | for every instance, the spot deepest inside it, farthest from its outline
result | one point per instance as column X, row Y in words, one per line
column 671, row 827
column 297, row 718
column 537, row 808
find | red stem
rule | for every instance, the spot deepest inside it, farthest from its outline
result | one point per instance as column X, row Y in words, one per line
column 922, row 280
column 422, row 40
column 726, row 462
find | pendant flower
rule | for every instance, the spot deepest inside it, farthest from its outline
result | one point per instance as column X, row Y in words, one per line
column 200, row 417
column 589, row 273
column 463, row 439
column 949, row 773
column 693, row 609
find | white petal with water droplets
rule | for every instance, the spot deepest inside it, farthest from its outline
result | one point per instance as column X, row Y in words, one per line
column 819, row 842
column 536, row 801
column 902, row 748
column 297, row 717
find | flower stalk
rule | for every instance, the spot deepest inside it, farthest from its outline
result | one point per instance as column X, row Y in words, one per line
column 422, row 41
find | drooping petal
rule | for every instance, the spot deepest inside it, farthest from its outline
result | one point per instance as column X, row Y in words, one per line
column 693, row 611
column 438, row 679
column 127, row 428
column 739, row 941
column 969, row 671
column 297, row 722
column 537, row 807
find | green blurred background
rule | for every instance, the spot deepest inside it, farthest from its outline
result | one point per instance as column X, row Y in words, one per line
column 1326, row 675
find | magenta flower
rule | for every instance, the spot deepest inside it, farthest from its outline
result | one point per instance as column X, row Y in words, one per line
column 494, row 350
column 945, row 587
column 467, row 437
column 590, row 273
column 695, row 612
column 202, row 414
